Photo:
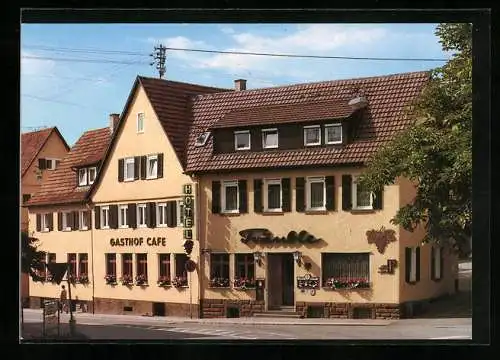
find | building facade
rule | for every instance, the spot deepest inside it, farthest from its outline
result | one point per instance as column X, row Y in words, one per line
column 41, row 153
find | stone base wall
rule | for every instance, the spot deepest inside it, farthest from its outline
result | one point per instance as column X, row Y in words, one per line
column 137, row 307
column 349, row 310
column 36, row 302
column 218, row 308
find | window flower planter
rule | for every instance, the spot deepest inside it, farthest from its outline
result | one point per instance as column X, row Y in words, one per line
column 219, row 283
column 110, row 279
column 164, row 281
column 72, row 279
column 83, row 279
column 50, row 278
column 180, row 282
column 126, row 280
column 244, row 283
column 141, row 280
column 346, row 283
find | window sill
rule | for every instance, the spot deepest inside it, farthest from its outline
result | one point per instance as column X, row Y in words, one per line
column 162, row 225
column 84, row 229
column 412, row 282
column 244, row 288
column 105, row 228
column 316, row 212
column 152, row 177
column 362, row 211
column 123, row 227
column 266, row 213
column 437, row 280
column 312, row 144
column 242, row 149
column 142, row 285
column 219, row 287
column 128, row 180
column 142, row 226
column 182, row 287
column 346, row 289
column 230, row 213
column 67, row 229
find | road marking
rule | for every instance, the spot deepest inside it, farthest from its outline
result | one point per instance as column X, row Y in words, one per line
column 463, row 337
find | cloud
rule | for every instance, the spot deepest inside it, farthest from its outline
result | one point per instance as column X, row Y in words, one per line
column 30, row 66
column 227, row 30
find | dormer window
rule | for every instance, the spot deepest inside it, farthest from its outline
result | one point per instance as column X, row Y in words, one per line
column 92, row 174
column 269, row 138
column 86, row 176
column 312, row 135
column 242, row 140
column 333, row 134
column 82, row 177
column 202, row 139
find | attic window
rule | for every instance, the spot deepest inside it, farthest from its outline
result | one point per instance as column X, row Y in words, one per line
column 202, row 139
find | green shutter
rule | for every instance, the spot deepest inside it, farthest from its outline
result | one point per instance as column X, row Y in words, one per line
column 97, row 210
column 433, row 263
column 160, row 165
column 257, row 195
column 300, row 194
column 407, row 264
column 346, row 192
column 243, row 203
column 330, row 192
column 286, row 195
column 216, row 197
column 120, row 169
column 132, row 216
column 378, row 199
column 417, row 265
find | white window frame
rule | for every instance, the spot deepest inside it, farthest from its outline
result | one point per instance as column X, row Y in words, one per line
column 64, row 219
column 159, row 207
column 126, row 175
column 45, row 223
column 236, row 142
column 264, row 131
column 94, row 169
column 354, row 188
column 268, row 182
column 85, row 182
column 140, row 130
column 52, row 163
column 310, row 180
column 437, row 263
column 180, row 213
column 81, row 216
column 306, row 128
column 413, row 264
column 103, row 210
column 151, row 157
column 330, row 126
column 120, row 217
column 225, row 184
column 141, row 208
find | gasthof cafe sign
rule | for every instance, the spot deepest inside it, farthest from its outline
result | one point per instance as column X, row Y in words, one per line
column 187, row 191
column 138, row 241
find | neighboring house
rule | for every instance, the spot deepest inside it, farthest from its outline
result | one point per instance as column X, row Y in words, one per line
column 60, row 216
column 277, row 173
column 41, row 152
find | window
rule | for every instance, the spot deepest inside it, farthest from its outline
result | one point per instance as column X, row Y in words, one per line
column 72, row 264
column 412, row 264
column 161, row 214
column 436, row 263
column 202, row 139
column 82, row 177
column 180, row 213
column 83, row 266
column 230, row 196
column 46, row 220
column 140, row 122
column 361, row 199
column 345, row 269
column 219, row 270
column 141, row 215
column 333, row 134
column 105, row 217
column 180, row 269
column 127, row 269
column 242, row 140
column 129, row 169
column 142, row 267
column 269, row 138
column 123, row 216
column 272, row 198
column 111, row 265
column 164, row 263
column 92, row 174
column 66, row 221
column 316, row 193
column 51, row 164
column 152, row 167
column 312, row 135
column 244, row 267
column 83, row 217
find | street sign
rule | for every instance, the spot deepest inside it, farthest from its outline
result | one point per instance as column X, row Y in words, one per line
column 50, row 317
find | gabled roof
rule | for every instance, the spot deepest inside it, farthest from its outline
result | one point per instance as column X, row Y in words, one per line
column 274, row 114
column 61, row 185
column 32, row 143
column 387, row 97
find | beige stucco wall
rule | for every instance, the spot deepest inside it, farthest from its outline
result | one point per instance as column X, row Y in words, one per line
column 30, row 184
column 110, row 191
column 62, row 243
column 342, row 232
column 425, row 288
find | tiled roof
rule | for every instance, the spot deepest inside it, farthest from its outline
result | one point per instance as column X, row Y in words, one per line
column 61, row 187
column 387, row 98
column 265, row 115
column 170, row 101
column 32, row 143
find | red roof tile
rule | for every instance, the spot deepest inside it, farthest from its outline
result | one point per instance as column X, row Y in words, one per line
column 387, row 98
column 170, row 101
column 264, row 115
column 61, row 187
column 32, row 143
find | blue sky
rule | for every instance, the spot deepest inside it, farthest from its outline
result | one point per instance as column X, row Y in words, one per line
column 79, row 96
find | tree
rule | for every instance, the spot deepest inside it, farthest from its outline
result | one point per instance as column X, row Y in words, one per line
column 436, row 151
column 30, row 256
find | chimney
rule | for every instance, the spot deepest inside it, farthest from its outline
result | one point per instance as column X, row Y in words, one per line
column 240, row 84
column 113, row 122
column 358, row 101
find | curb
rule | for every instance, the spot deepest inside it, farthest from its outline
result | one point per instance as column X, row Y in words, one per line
column 300, row 323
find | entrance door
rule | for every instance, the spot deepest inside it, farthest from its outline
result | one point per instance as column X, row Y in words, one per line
column 158, row 309
column 280, row 271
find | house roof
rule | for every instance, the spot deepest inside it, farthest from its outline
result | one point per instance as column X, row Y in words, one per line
column 32, row 143
column 271, row 115
column 387, row 96
column 60, row 186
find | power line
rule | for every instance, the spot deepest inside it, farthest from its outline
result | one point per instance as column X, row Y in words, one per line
column 55, row 101
column 82, row 60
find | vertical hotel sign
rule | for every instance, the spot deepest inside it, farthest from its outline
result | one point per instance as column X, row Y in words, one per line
column 187, row 191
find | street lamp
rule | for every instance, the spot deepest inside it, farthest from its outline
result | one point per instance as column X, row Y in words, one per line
column 257, row 256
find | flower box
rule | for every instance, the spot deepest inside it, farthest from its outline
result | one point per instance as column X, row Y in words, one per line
column 219, row 282
column 164, row 281
column 83, row 279
column 50, row 278
column 141, row 280
column 179, row 282
column 346, row 283
column 244, row 283
column 110, row 279
column 72, row 279
column 126, row 280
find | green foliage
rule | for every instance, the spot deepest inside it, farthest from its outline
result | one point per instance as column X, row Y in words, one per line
column 30, row 256
column 436, row 152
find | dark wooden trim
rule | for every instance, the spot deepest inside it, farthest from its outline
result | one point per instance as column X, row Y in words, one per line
column 120, row 169
column 216, row 197
column 160, row 165
column 300, row 194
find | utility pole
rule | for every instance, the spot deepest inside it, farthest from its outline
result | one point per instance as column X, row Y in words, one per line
column 159, row 57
